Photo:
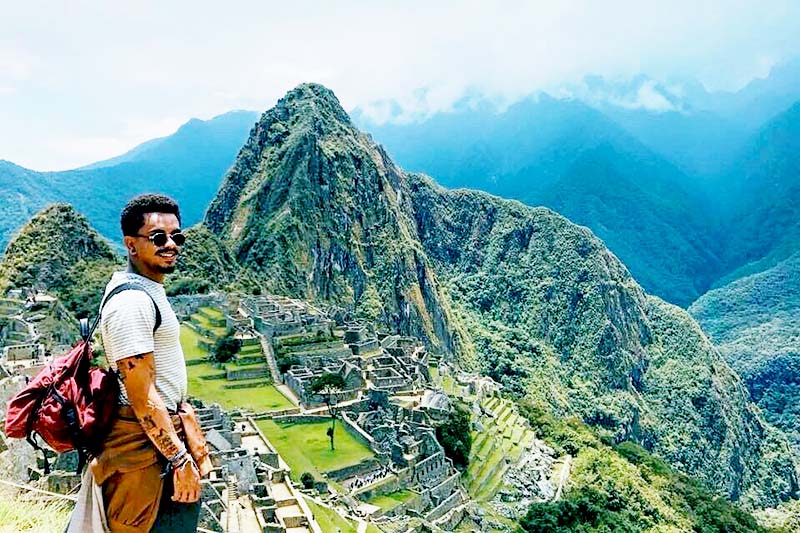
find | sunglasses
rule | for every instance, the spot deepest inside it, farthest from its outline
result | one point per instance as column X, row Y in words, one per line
column 160, row 238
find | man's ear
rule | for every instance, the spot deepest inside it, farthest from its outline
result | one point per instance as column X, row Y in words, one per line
column 130, row 244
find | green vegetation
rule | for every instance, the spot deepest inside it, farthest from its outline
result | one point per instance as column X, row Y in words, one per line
column 330, row 520
column 307, row 479
column 624, row 488
column 755, row 323
column 59, row 251
column 305, row 448
column 259, row 395
column 559, row 321
column 455, row 436
column 328, row 385
column 388, row 502
column 366, row 254
column 499, row 444
column 186, row 165
column 17, row 514
column 226, row 347
column 187, row 286
column 189, row 340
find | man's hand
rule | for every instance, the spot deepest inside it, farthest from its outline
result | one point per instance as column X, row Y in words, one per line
column 186, row 480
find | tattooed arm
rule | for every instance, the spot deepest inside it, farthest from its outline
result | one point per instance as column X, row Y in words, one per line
column 139, row 377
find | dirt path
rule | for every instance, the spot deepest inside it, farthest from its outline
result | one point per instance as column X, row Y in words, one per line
column 563, row 475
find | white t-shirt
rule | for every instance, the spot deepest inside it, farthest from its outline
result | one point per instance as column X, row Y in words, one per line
column 126, row 328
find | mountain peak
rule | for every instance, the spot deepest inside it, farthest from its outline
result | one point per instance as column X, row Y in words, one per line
column 313, row 100
column 54, row 240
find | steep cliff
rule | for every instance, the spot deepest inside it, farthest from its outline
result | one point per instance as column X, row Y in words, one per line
column 559, row 320
column 315, row 209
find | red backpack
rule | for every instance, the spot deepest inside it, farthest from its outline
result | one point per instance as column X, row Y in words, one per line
column 69, row 403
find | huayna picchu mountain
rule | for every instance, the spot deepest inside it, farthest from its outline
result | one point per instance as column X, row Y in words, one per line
column 313, row 208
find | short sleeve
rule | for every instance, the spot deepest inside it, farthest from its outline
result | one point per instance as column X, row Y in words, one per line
column 127, row 325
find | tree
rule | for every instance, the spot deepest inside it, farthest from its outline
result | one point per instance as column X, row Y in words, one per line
column 328, row 385
column 227, row 347
column 307, row 479
column 455, row 436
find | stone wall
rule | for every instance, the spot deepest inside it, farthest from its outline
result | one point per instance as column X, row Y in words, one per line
column 365, row 466
column 249, row 373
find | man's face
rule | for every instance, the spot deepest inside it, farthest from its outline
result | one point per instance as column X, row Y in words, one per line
column 149, row 258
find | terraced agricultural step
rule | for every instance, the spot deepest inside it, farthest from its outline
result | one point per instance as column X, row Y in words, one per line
column 492, row 461
column 489, row 488
column 513, row 420
column 502, row 412
column 491, row 402
column 507, row 415
column 527, row 438
column 478, row 443
column 481, row 458
column 493, row 465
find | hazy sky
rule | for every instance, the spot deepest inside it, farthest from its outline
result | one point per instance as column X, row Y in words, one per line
column 83, row 81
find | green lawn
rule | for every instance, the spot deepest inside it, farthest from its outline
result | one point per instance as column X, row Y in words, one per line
column 390, row 501
column 17, row 514
column 202, row 321
column 329, row 520
column 189, row 338
column 261, row 398
column 306, row 447
column 212, row 313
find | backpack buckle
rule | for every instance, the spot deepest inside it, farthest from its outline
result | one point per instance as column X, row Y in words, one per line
column 84, row 327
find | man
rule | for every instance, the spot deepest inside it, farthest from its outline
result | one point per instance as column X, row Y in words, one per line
column 148, row 476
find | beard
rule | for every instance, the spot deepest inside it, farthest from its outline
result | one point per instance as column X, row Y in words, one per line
column 166, row 269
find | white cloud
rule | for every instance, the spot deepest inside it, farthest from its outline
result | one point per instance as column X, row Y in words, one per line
column 91, row 67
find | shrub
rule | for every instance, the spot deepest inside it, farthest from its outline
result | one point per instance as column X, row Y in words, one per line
column 307, row 479
column 455, row 437
column 226, row 348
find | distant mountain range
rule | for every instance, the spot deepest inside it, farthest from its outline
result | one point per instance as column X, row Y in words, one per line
column 692, row 190
column 187, row 165
column 679, row 182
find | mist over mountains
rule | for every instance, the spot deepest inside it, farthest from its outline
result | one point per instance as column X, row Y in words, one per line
column 692, row 191
column 663, row 173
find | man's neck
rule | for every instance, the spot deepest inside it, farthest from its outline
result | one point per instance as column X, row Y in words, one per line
column 158, row 277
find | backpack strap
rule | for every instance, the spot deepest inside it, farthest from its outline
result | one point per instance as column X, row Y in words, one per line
column 87, row 331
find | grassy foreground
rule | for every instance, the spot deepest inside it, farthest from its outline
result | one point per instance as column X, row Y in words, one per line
column 21, row 515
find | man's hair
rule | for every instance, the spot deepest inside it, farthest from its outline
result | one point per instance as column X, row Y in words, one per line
column 132, row 218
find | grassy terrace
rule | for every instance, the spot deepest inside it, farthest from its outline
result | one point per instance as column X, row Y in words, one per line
column 388, row 502
column 503, row 439
column 264, row 397
column 306, row 447
column 204, row 322
column 330, row 520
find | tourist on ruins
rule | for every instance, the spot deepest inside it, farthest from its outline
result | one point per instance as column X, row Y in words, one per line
column 147, row 478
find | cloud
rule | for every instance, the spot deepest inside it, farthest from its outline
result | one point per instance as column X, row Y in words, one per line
column 90, row 67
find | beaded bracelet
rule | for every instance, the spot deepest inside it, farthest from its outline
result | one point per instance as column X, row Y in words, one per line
column 177, row 457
